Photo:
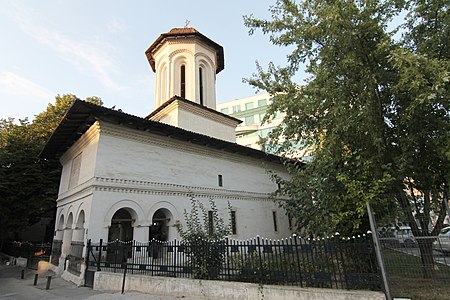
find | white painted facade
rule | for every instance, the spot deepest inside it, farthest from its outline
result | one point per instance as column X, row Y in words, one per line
column 117, row 167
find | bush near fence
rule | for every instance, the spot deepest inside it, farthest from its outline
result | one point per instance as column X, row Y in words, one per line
column 333, row 262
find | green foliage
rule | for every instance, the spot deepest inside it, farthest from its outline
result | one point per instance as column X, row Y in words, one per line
column 204, row 236
column 374, row 109
column 29, row 184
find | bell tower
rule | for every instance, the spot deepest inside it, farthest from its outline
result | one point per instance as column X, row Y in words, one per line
column 186, row 63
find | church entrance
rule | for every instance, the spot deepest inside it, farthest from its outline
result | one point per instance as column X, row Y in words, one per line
column 120, row 231
column 159, row 229
column 159, row 232
column 121, row 226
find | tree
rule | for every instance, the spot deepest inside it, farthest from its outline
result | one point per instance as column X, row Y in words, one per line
column 374, row 110
column 29, row 184
column 204, row 234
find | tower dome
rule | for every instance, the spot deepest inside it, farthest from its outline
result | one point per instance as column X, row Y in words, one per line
column 186, row 63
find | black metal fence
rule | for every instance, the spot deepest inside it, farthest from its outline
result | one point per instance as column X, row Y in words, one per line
column 330, row 262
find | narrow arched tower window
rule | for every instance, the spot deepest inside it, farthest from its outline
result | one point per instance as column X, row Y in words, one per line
column 183, row 81
column 200, row 79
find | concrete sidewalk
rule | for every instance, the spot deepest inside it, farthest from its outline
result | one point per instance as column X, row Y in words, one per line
column 13, row 287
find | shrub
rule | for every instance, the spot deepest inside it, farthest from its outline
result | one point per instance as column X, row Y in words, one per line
column 204, row 236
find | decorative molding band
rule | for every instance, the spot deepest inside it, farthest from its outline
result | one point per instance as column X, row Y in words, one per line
column 180, row 51
column 117, row 185
column 80, row 191
column 199, row 56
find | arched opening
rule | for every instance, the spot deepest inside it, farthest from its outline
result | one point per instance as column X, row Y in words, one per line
column 59, row 234
column 78, row 237
column 183, row 81
column 68, row 232
column 121, row 226
column 79, row 228
column 200, row 82
column 121, row 229
column 164, row 86
column 159, row 230
column 205, row 86
column 57, row 242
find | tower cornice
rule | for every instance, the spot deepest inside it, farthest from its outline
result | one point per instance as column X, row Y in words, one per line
column 184, row 33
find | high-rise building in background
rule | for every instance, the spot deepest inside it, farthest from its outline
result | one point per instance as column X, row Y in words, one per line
column 251, row 111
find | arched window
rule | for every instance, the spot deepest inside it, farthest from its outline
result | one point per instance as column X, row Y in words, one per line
column 163, row 86
column 200, row 79
column 183, row 81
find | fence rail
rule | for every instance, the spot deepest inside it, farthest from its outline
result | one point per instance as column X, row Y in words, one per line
column 331, row 262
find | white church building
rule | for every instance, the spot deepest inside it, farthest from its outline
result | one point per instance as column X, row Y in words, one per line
column 131, row 178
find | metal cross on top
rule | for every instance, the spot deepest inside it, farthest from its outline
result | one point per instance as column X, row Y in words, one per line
column 186, row 23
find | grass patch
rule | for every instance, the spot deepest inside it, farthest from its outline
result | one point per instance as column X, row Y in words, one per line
column 406, row 278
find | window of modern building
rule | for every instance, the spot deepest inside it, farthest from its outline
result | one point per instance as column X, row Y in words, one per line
column 210, row 222
column 224, row 110
column 248, row 105
column 275, row 223
column 236, row 108
column 250, row 120
column 183, row 81
column 233, row 222
column 200, row 78
column 262, row 102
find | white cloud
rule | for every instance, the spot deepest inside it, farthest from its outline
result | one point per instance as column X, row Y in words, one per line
column 116, row 25
column 14, row 84
column 92, row 57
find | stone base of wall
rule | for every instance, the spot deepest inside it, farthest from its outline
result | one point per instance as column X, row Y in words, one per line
column 76, row 279
column 178, row 287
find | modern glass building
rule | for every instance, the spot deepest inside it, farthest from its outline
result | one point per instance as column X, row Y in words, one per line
column 251, row 111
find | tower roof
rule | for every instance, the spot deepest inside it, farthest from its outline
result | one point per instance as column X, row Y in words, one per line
column 179, row 33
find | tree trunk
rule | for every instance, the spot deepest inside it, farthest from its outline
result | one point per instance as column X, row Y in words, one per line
column 426, row 255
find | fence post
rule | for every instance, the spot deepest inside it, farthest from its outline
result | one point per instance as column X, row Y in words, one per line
column 376, row 243
column 99, row 255
column 124, row 275
column 88, row 251
column 49, row 280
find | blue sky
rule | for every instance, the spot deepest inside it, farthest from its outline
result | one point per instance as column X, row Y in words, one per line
column 96, row 48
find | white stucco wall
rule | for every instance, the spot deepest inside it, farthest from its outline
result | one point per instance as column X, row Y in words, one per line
column 193, row 122
column 136, row 155
column 144, row 172
column 87, row 147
